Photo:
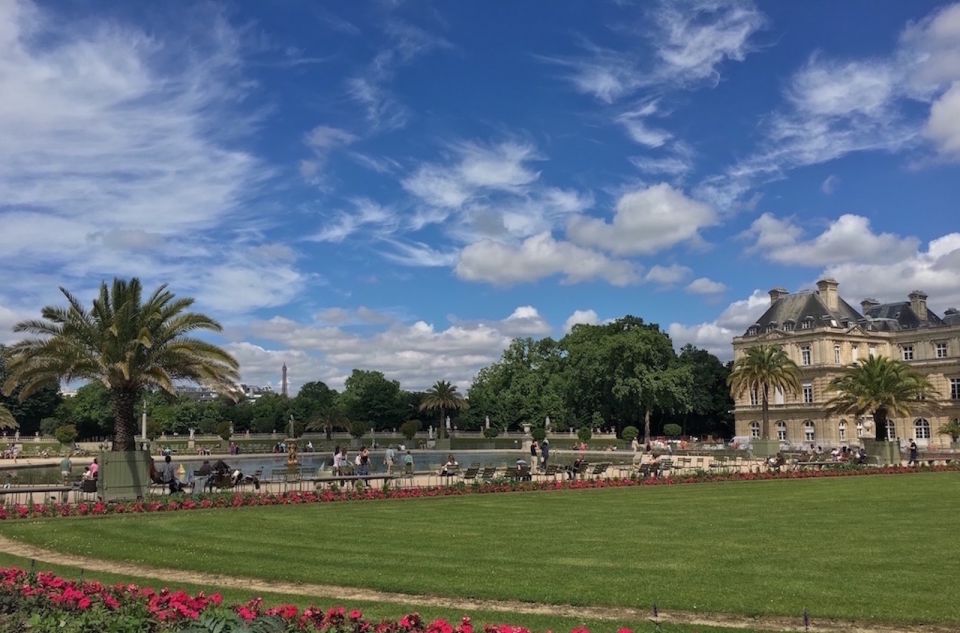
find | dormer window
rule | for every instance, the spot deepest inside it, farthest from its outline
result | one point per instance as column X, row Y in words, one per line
column 772, row 327
column 806, row 324
column 788, row 326
column 754, row 330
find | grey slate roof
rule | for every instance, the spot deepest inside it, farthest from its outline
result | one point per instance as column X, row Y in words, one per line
column 808, row 304
column 902, row 313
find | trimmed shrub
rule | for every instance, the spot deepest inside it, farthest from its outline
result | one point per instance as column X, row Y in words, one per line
column 409, row 428
column 491, row 433
column 630, row 433
column 539, row 433
column 584, row 434
column 672, row 430
column 359, row 429
column 66, row 434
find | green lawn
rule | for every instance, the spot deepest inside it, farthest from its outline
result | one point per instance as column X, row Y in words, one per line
column 857, row 548
column 376, row 611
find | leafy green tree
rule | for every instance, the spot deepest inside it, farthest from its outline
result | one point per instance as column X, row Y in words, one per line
column 882, row 387
column 223, row 430
column 761, row 369
column 358, row 429
column 270, row 413
column 88, row 410
column 630, row 433
column 443, row 397
column 584, row 434
column 710, row 401
column 526, row 385
column 369, row 396
column 28, row 412
column 672, row 430
column 66, row 434
column 123, row 342
column 316, row 404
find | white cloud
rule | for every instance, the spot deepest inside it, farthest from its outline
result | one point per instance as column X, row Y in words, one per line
column 943, row 126
column 705, row 286
column 667, row 275
column 525, row 321
column 365, row 214
column 477, row 168
column 417, row 254
column 686, row 45
column 848, row 238
column 538, row 257
column 417, row 354
column 717, row 336
column 835, row 107
column 935, row 271
column 829, row 184
column 646, row 221
column 641, row 132
column 586, row 317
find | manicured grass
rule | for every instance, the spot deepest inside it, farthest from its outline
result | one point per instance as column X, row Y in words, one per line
column 372, row 610
column 855, row 548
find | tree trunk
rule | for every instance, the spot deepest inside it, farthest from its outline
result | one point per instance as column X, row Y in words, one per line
column 880, row 424
column 123, row 401
column 646, row 426
column 765, row 416
column 442, row 424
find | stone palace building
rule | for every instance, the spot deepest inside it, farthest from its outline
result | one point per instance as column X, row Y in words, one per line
column 823, row 333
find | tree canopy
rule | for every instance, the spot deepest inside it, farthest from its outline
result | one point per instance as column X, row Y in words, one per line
column 760, row 369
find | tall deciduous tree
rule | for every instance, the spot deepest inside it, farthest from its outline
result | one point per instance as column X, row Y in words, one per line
column 442, row 396
column 369, row 397
column 760, row 369
column 123, row 342
column 882, row 387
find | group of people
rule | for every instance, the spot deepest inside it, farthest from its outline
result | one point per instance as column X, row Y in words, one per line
column 539, row 454
column 342, row 464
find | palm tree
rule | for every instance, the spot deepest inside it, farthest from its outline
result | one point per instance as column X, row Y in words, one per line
column 882, row 387
column 443, row 396
column 124, row 343
column 7, row 420
column 762, row 368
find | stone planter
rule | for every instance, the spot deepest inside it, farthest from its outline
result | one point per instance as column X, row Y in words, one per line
column 882, row 452
column 764, row 448
column 123, row 475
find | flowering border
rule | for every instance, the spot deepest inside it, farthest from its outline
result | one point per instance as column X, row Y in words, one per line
column 46, row 598
column 51, row 509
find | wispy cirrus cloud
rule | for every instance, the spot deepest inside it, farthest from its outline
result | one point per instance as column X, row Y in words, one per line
column 834, row 107
column 122, row 155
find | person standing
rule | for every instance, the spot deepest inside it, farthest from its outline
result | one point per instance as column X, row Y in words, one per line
column 168, row 475
column 544, row 453
column 533, row 455
column 913, row 453
column 390, row 458
column 66, row 468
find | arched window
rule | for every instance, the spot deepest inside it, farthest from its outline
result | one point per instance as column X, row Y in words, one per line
column 809, row 431
column 842, row 431
column 859, row 429
column 782, row 431
column 921, row 429
column 891, row 430
column 755, row 429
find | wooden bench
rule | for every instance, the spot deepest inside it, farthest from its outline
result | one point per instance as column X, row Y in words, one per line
column 931, row 459
column 343, row 479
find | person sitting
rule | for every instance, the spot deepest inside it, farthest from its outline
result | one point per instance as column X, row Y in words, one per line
column 574, row 469
column 168, row 476
column 450, row 468
column 201, row 479
column 523, row 471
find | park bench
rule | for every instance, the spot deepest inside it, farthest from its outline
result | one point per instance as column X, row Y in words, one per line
column 931, row 459
column 517, row 473
column 599, row 470
column 664, row 468
column 551, row 471
column 345, row 479
column 12, row 494
column 488, row 473
column 471, row 473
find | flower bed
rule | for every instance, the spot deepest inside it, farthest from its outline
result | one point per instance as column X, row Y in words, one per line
column 237, row 500
column 44, row 602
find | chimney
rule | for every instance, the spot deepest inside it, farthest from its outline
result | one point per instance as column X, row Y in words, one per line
column 868, row 304
column 827, row 289
column 918, row 301
column 777, row 293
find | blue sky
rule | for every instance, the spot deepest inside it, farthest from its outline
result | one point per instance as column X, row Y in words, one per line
column 405, row 186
